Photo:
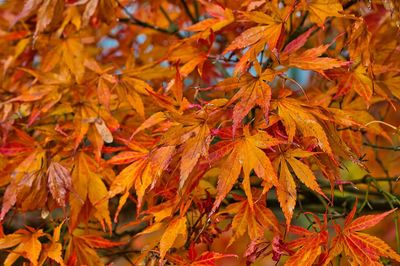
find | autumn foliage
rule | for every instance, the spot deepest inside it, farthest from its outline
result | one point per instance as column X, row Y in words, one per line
column 199, row 132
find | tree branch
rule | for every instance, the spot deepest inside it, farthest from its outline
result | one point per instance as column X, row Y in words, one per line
column 131, row 19
column 392, row 148
column 187, row 11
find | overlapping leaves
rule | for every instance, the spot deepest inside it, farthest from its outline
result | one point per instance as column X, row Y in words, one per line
column 190, row 111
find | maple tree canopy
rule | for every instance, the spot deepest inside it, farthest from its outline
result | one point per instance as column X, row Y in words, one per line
column 199, row 132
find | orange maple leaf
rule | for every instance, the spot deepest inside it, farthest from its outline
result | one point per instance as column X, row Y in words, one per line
column 246, row 153
column 90, row 190
column 360, row 248
column 81, row 249
column 253, row 221
column 27, row 242
column 308, row 246
column 286, row 192
column 144, row 171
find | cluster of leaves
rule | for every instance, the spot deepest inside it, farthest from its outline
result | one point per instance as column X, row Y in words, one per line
column 192, row 121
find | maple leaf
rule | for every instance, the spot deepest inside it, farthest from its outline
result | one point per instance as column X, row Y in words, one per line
column 176, row 228
column 22, row 144
column 255, row 221
column 310, row 59
column 53, row 250
column 104, row 81
column 190, row 56
column 45, row 13
column 30, row 184
column 354, row 109
column 33, row 94
column 44, row 96
column 102, row 7
column 81, row 248
column 295, row 116
column 96, row 125
column 154, row 119
column 133, row 96
column 143, row 172
column 359, row 81
column 193, row 148
column 308, row 246
column 360, row 248
column 359, row 44
column 222, row 18
column 27, row 245
column 286, row 192
column 321, row 9
column 90, row 190
column 207, row 258
column 59, row 182
column 252, row 91
column 246, row 153
column 192, row 133
column 393, row 83
column 27, row 188
column 268, row 32
column 169, row 233
column 184, row 107
column 68, row 54
column 298, row 42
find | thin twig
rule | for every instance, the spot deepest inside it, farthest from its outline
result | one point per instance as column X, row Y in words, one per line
column 187, row 11
column 193, row 228
column 196, row 10
column 392, row 148
column 367, row 179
